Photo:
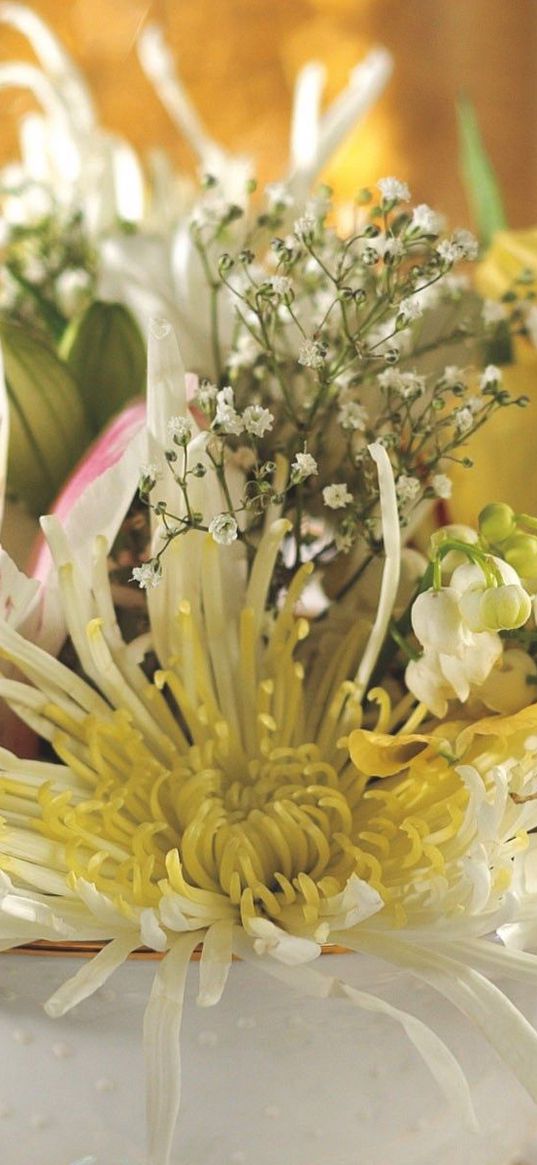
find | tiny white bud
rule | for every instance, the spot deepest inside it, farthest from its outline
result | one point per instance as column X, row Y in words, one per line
column 223, row 528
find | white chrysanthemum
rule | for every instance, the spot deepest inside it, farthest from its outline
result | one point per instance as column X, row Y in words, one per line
column 235, row 801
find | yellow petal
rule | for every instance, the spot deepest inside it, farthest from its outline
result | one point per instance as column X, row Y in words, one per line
column 377, row 754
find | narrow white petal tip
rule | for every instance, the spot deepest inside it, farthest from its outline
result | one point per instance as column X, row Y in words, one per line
column 379, row 59
column 54, row 1010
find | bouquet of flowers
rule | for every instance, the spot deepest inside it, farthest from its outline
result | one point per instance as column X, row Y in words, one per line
column 323, row 728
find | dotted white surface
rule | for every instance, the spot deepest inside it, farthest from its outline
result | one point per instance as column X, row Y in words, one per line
column 268, row 1077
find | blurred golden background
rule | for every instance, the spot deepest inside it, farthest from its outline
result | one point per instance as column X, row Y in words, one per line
column 238, row 60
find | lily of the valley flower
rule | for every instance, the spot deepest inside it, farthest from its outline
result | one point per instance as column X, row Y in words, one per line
column 454, row 659
column 438, row 677
column 457, row 627
column 437, row 621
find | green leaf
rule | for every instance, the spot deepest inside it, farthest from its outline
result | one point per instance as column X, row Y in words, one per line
column 48, row 426
column 480, row 181
column 106, row 354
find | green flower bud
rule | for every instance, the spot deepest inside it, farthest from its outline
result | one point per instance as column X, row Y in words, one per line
column 505, row 608
column 49, row 429
column 497, row 522
column 105, row 353
column 520, row 552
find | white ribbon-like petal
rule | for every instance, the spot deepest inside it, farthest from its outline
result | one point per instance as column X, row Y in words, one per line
column 438, row 1058
column 215, row 963
column 502, row 1024
column 91, row 975
column 162, row 1026
column 392, row 566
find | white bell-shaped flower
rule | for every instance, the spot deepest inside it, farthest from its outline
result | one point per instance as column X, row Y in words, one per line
column 438, row 677
column 424, row 678
column 471, row 575
column 437, row 621
column 468, row 672
column 470, row 607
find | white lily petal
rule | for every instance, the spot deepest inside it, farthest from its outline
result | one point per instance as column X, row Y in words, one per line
column 166, row 386
column 304, row 143
column 54, row 59
column 158, row 64
column 128, row 181
column 134, row 270
column 366, row 83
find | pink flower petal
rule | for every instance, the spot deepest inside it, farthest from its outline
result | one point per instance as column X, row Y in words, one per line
column 102, row 455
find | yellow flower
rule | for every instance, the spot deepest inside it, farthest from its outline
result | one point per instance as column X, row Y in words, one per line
column 503, row 451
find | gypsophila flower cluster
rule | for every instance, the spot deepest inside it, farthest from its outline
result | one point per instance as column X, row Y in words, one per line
column 331, row 346
column 48, row 265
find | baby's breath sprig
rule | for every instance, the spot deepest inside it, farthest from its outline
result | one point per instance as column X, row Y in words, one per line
column 48, row 262
column 336, row 336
